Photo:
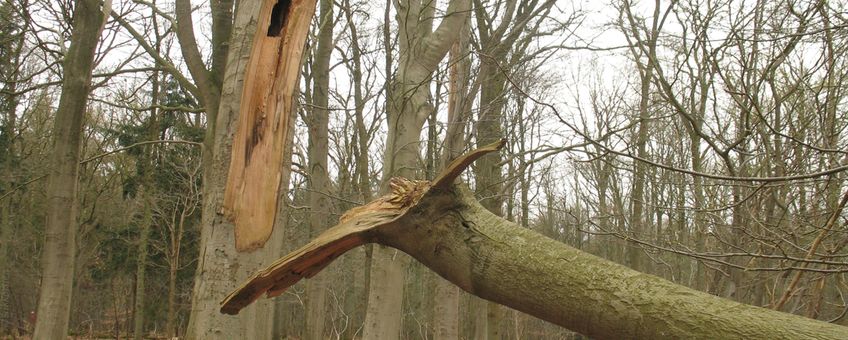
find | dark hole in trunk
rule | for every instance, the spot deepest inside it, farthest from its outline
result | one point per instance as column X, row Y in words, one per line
column 279, row 14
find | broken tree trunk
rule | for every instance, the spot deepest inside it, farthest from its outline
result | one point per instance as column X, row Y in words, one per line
column 221, row 265
column 444, row 227
column 256, row 165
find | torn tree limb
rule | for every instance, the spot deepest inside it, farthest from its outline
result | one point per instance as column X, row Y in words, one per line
column 446, row 229
column 253, row 182
column 356, row 227
column 455, row 168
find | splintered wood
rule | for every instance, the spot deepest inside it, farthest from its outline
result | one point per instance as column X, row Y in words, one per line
column 356, row 227
column 253, row 183
column 351, row 232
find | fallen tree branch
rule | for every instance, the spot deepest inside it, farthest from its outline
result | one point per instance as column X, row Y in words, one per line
column 445, row 228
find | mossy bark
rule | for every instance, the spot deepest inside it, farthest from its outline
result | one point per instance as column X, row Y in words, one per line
column 446, row 229
column 497, row 260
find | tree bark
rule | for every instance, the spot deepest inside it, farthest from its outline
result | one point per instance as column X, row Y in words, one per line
column 356, row 301
column 446, row 296
column 171, row 318
column 145, row 224
column 446, row 229
column 318, row 153
column 253, row 186
column 421, row 50
column 496, row 260
column 54, row 300
column 497, row 44
column 220, row 264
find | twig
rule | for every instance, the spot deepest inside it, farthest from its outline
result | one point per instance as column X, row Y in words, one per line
column 830, row 222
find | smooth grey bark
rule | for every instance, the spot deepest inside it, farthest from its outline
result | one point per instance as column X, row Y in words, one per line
column 499, row 43
column 446, row 295
column 54, row 301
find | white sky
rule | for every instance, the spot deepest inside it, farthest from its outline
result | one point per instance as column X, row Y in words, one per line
column 574, row 73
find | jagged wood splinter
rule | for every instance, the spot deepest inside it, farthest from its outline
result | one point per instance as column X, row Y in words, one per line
column 356, row 227
column 256, row 164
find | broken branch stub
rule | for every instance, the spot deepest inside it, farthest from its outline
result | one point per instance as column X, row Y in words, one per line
column 256, row 164
column 356, row 227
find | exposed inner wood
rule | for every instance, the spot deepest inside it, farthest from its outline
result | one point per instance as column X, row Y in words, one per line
column 253, row 182
column 356, row 227
column 279, row 14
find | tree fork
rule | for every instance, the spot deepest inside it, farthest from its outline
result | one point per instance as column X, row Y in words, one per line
column 441, row 225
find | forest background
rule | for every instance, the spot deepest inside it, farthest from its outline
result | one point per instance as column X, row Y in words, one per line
column 699, row 141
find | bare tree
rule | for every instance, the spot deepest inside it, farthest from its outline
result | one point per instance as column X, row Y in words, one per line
column 421, row 49
column 54, row 304
column 319, row 179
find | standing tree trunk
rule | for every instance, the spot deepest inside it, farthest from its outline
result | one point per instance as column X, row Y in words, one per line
column 173, row 267
column 147, row 201
column 319, row 178
column 54, row 302
column 636, row 258
column 488, row 174
column 421, row 49
column 446, row 295
column 362, row 177
column 148, row 195
column 250, row 138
